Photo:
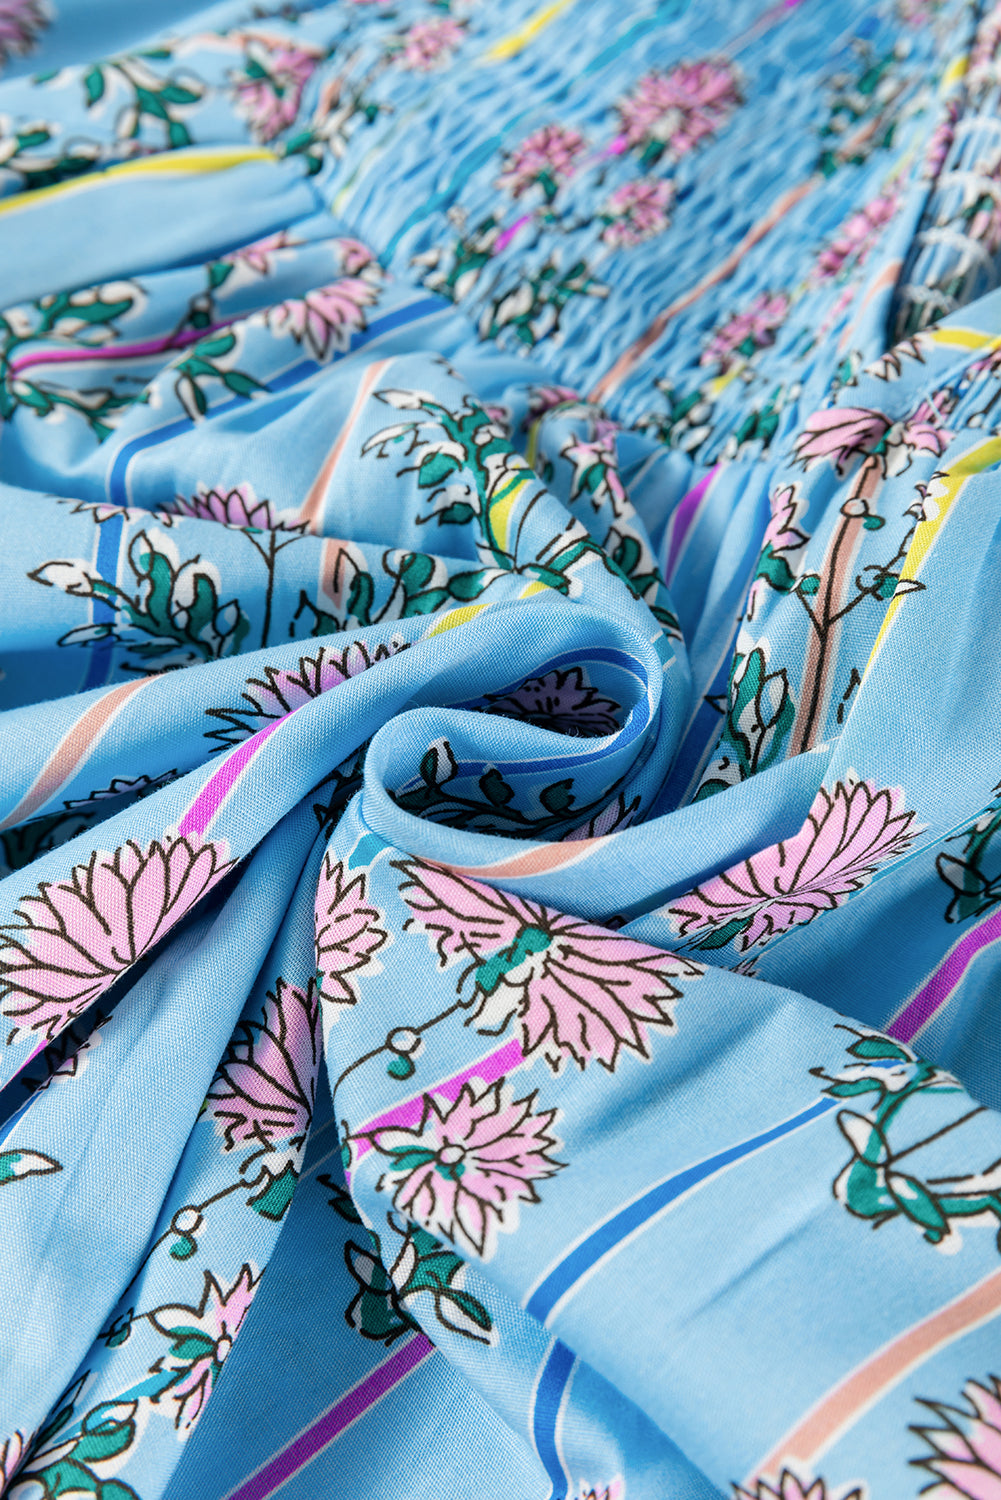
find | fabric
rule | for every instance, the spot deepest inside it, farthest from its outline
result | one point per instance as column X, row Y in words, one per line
column 500, row 918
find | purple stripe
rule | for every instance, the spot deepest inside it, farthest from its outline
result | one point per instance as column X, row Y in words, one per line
column 218, row 787
column 682, row 519
column 939, row 989
column 335, row 1420
column 114, row 351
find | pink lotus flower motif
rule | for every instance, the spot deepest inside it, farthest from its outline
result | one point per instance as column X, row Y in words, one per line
column 238, row 507
column 940, row 142
column 348, row 935
column 596, row 473
column 782, row 533
column 258, row 257
column 356, row 257
column 21, row 24
column 788, row 1487
column 845, row 432
column 984, row 223
column 856, row 236
column 636, row 211
column 201, row 1339
column 841, row 433
column 265, row 1086
column 430, row 44
column 675, row 111
column 548, row 157
column 618, row 814
column 748, row 331
column 74, row 938
column 614, row 1490
column 848, row 834
column 12, row 1453
column 562, row 701
column 325, row 319
column 782, row 536
column 577, row 990
column 966, row 1459
column 466, row 1168
column 281, row 690
column 546, row 398
column 269, row 90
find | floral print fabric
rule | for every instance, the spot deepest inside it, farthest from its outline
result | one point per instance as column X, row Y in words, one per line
column 500, row 812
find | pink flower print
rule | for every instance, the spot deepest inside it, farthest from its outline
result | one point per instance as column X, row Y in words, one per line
column 430, row 44
column 841, row 433
column 269, row 90
column 281, row 690
column 356, row 257
column 788, row 1487
column 856, row 236
column 561, row 700
column 201, row 1339
column 325, row 319
column 265, row 1086
column 618, row 814
column 74, row 938
column 21, row 24
column 466, row 1168
column 614, row 1490
column 546, row 398
column 848, row 834
column 348, row 935
column 747, row 332
column 782, row 537
column 844, row 432
column 548, row 157
column 577, row 990
column 966, row 1457
column 258, row 257
column 940, row 142
column 676, row 111
column 237, row 507
column 12, row 1453
column 781, row 533
column 636, row 211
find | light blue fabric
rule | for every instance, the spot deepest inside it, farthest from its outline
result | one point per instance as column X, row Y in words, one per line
column 499, row 762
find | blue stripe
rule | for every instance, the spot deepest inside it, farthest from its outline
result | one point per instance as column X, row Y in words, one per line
column 548, row 1394
column 117, row 488
column 585, row 1256
column 109, row 538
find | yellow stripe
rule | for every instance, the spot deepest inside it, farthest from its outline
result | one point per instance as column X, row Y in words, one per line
column 536, row 587
column 181, row 162
column 943, row 493
column 957, row 338
column 510, row 46
column 456, row 617
column 500, row 510
column 953, row 74
column 719, row 385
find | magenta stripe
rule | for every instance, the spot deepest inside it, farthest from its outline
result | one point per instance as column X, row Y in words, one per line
column 219, row 786
column 934, row 995
column 114, row 351
column 407, row 1116
column 681, row 522
column 335, row 1420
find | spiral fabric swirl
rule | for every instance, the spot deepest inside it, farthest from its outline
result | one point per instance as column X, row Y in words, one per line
column 500, row 772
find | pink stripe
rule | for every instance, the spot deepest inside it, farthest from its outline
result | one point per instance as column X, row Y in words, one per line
column 337, row 1419
column 934, row 995
column 219, row 787
column 114, row 351
column 682, row 519
column 407, row 1116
